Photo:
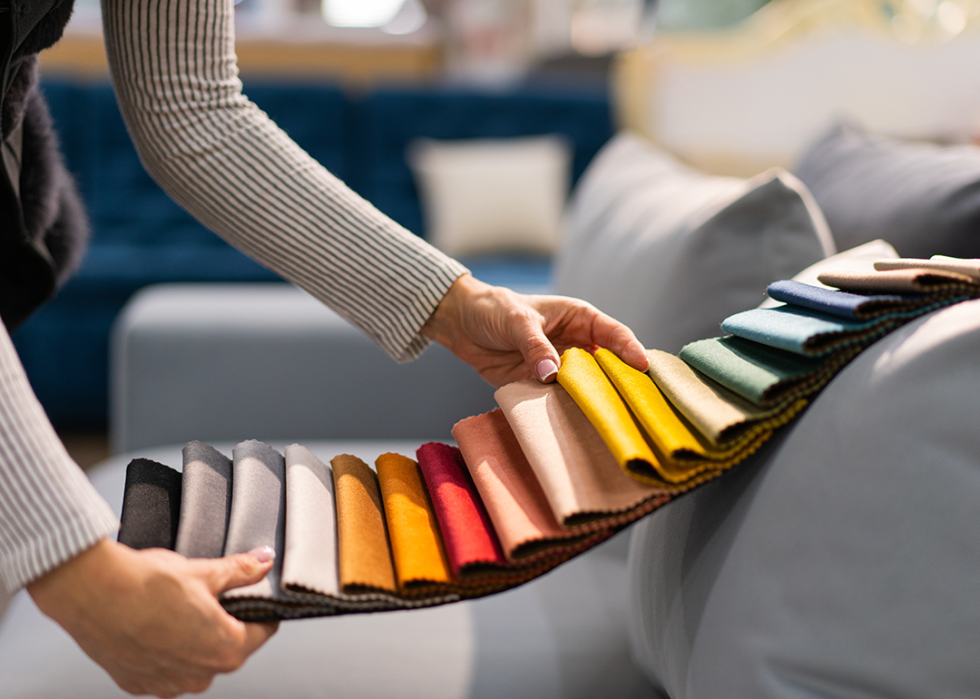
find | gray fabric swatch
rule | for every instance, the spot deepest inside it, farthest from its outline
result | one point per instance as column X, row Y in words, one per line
column 310, row 554
column 205, row 502
column 258, row 512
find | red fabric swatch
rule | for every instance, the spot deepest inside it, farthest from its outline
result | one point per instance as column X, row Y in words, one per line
column 466, row 528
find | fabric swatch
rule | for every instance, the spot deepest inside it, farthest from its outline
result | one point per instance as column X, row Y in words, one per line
column 309, row 560
column 465, row 525
column 588, row 386
column 763, row 375
column 205, row 502
column 514, row 500
column 581, row 479
column 902, row 281
column 363, row 549
column 719, row 414
column 803, row 331
column 416, row 544
column 843, row 304
column 151, row 506
column 258, row 512
column 941, row 263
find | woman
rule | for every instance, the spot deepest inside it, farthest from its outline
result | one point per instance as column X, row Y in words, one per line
column 151, row 618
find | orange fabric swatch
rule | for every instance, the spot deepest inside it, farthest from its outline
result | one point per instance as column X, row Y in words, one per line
column 514, row 500
column 595, row 395
column 362, row 540
column 416, row 543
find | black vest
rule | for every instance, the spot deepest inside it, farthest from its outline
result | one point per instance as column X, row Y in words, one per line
column 42, row 226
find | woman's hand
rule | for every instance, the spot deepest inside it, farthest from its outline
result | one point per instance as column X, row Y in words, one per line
column 151, row 618
column 508, row 336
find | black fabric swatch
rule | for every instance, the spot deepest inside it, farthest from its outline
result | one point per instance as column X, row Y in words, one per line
column 151, row 505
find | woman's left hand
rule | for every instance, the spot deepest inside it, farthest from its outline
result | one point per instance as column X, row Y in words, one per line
column 507, row 336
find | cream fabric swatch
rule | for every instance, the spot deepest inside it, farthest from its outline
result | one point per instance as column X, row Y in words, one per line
column 310, row 555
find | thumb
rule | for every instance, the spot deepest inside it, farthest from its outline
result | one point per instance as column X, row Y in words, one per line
column 240, row 569
column 539, row 354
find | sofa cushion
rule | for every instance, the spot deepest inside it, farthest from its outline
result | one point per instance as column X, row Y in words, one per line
column 671, row 251
column 842, row 560
column 922, row 198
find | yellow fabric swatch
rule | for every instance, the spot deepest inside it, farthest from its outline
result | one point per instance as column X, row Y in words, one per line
column 416, row 543
column 588, row 386
column 363, row 551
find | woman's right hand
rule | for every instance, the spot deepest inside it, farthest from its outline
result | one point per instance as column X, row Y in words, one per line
column 152, row 618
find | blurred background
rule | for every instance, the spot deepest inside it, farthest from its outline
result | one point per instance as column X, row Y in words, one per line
column 385, row 93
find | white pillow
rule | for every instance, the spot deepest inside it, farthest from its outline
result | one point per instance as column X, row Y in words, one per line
column 671, row 251
column 492, row 195
column 843, row 559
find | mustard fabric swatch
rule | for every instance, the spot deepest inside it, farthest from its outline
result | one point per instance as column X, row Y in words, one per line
column 582, row 481
column 720, row 416
column 362, row 540
column 416, row 544
column 588, row 386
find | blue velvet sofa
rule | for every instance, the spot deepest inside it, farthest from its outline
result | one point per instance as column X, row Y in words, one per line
column 140, row 237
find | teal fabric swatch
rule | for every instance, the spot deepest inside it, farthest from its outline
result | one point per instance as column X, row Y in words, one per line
column 803, row 331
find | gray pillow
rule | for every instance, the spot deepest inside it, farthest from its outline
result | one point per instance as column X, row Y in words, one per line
column 843, row 560
column 671, row 251
column 922, row 198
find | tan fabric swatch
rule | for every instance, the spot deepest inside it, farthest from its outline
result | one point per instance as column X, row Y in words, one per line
column 515, row 502
column 579, row 476
column 970, row 268
column 310, row 558
column 720, row 415
column 362, row 539
column 901, row 281
column 416, row 544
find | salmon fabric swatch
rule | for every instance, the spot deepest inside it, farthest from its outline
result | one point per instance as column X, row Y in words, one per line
column 416, row 544
column 589, row 387
column 363, row 550
column 310, row 555
column 513, row 498
column 581, row 479
column 720, row 415
column 464, row 522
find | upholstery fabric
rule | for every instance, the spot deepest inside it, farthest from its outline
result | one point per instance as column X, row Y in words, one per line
column 515, row 502
column 720, row 415
column 309, row 559
column 902, row 281
column 671, row 251
column 841, row 303
column 762, row 375
column 205, row 503
column 576, row 470
column 416, row 544
column 258, row 512
column 921, row 197
column 970, row 268
column 151, row 506
column 588, row 386
column 841, row 561
column 363, row 549
column 803, row 331
column 466, row 529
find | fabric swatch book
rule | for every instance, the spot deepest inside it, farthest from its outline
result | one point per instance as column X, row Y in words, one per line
column 552, row 472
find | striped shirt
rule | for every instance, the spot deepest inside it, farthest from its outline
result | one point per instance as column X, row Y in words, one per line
column 176, row 78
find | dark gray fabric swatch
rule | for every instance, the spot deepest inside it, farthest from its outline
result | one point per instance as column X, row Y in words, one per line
column 258, row 511
column 151, row 505
column 206, row 502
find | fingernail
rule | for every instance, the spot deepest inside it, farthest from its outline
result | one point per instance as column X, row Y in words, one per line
column 264, row 554
column 546, row 368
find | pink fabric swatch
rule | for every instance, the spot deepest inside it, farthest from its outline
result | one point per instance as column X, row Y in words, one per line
column 466, row 529
column 513, row 498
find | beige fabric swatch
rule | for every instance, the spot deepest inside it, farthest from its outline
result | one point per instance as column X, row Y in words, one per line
column 970, row 268
column 902, row 281
column 579, row 475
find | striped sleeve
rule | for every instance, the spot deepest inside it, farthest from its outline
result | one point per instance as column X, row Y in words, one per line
column 176, row 78
column 49, row 511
